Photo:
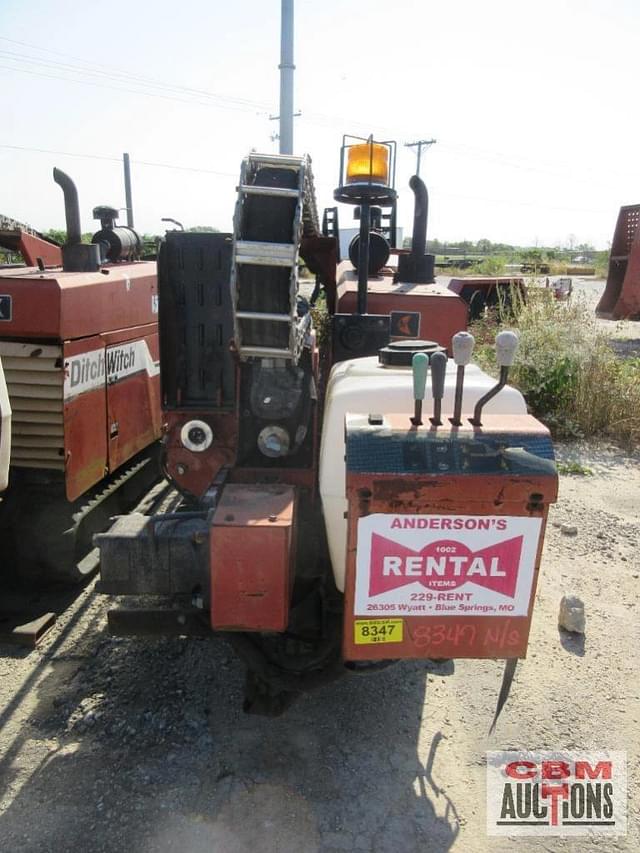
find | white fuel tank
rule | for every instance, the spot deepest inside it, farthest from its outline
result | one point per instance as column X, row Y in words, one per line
column 362, row 386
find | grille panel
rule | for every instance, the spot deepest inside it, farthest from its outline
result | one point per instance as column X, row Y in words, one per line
column 35, row 381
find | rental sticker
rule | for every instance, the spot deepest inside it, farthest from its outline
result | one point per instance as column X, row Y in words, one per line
column 377, row 631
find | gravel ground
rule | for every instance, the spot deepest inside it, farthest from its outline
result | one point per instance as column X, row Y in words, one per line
column 111, row 744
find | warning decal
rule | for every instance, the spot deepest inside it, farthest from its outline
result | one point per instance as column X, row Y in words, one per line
column 445, row 565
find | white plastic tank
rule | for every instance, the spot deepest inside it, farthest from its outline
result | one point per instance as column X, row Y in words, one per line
column 362, row 386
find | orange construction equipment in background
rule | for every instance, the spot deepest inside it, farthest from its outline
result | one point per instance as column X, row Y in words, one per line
column 621, row 297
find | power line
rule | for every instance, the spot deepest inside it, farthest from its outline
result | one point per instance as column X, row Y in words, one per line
column 434, row 187
column 114, row 73
column 120, row 88
column 420, row 144
column 83, row 155
column 226, row 102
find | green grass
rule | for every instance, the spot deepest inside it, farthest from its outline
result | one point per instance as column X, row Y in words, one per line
column 568, row 373
column 574, row 468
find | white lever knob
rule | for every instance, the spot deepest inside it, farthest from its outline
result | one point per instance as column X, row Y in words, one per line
column 506, row 346
column 462, row 346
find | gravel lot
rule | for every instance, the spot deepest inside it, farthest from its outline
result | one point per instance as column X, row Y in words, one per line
column 111, row 744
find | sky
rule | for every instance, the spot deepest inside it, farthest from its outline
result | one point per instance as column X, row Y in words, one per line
column 532, row 106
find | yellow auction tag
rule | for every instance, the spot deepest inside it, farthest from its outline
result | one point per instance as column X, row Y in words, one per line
column 377, row 631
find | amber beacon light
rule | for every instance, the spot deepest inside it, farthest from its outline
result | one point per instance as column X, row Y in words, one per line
column 367, row 171
column 368, row 162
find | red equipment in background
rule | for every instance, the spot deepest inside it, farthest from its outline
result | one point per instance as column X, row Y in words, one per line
column 79, row 346
column 621, row 297
column 35, row 249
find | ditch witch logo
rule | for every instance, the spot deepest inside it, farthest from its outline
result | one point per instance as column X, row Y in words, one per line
column 92, row 367
column 444, row 564
column 550, row 793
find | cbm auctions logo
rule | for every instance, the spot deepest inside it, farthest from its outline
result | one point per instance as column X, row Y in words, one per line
column 556, row 793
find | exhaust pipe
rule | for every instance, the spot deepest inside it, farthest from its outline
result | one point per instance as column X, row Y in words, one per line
column 416, row 267
column 71, row 206
column 420, row 216
column 76, row 255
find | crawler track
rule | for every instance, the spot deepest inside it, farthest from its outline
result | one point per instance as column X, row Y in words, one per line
column 34, row 592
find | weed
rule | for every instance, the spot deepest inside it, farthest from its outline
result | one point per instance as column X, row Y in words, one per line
column 566, row 368
column 574, row 468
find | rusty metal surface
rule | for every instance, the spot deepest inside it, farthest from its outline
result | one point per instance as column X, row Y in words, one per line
column 621, row 297
column 134, row 418
column 442, row 312
column 479, row 494
column 18, row 237
column 85, row 428
column 63, row 305
column 112, row 416
column 194, row 472
column 32, row 248
column 252, row 552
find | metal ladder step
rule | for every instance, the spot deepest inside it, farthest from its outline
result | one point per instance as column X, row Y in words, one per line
column 265, row 254
column 274, row 192
column 276, row 160
column 256, row 315
column 265, row 352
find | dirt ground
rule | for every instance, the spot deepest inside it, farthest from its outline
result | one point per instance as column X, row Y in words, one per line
column 111, row 744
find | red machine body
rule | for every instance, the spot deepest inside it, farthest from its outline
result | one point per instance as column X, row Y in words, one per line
column 80, row 354
column 443, row 552
column 480, row 292
column 438, row 313
column 253, row 534
column 23, row 240
column 621, row 297
column 282, row 533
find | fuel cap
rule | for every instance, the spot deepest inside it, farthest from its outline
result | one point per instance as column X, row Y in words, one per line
column 401, row 353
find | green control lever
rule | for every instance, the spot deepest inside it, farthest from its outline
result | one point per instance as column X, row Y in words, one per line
column 420, row 367
column 438, row 370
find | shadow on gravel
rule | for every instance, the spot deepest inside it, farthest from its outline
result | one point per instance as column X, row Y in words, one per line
column 150, row 752
column 573, row 643
column 626, row 347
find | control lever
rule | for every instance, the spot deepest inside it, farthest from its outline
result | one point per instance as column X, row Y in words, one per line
column 462, row 345
column 506, row 346
column 438, row 370
column 420, row 367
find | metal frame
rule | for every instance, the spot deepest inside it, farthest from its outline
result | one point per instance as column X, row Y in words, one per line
column 361, row 191
column 274, row 254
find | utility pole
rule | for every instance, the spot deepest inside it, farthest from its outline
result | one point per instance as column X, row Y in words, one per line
column 286, row 77
column 127, row 189
column 419, row 144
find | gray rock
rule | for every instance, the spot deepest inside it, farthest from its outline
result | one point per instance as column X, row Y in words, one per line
column 571, row 616
column 569, row 530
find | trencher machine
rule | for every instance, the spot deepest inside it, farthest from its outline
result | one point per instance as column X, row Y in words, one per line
column 353, row 489
column 79, row 350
